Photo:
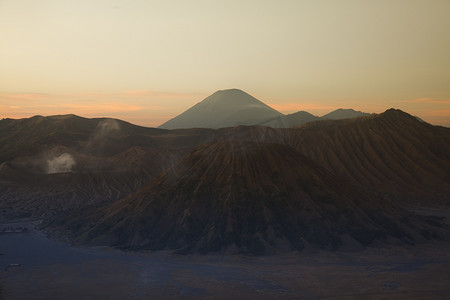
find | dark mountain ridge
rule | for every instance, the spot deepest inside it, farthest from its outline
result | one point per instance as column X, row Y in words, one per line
column 36, row 134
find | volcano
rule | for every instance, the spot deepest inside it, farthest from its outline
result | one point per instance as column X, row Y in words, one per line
column 245, row 197
column 327, row 184
column 225, row 108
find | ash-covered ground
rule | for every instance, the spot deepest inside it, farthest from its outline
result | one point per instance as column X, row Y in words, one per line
column 34, row 267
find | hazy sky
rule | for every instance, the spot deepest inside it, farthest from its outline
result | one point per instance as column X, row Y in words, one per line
column 147, row 61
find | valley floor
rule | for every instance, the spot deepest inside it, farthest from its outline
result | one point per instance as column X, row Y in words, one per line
column 34, row 267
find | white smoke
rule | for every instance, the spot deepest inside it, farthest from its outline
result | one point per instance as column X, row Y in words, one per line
column 107, row 127
column 60, row 164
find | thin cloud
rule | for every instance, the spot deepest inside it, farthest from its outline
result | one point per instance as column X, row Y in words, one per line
column 150, row 94
column 438, row 113
column 15, row 98
column 70, row 108
column 158, row 94
column 98, row 107
column 437, row 117
column 428, row 100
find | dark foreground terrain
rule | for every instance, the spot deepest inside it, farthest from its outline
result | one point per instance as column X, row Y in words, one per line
column 52, row 270
column 351, row 208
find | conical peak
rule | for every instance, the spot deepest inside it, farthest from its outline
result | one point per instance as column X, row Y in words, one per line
column 224, row 108
column 394, row 111
column 397, row 114
column 231, row 95
column 233, row 90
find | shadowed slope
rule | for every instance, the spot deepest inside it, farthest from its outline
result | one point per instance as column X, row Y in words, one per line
column 391, row 155
column 99, row 135
column 244, row 197
column 290, row 120
column 28, row 189
column 57, row 163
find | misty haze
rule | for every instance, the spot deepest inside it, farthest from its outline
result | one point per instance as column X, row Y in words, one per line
column 224, row 149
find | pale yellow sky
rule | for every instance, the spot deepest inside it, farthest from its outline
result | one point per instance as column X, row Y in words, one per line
column 147, row 61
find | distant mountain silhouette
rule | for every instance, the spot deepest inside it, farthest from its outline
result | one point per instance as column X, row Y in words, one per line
column 233, row 107
column 290, row 120
column 226, row 108
column 341, row 113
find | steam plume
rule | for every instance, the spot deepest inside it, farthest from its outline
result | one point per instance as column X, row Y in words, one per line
column 107, row 126
column 60, row 164
column 105, row 129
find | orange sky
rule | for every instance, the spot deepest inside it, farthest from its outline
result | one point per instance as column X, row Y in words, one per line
column 147, row 61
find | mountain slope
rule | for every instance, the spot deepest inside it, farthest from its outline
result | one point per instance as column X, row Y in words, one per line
column 62, row 179
column 57, row 163
column 225, row 108
column 245, row 197
column 290, row 120
column 32, row 135
column 342, row 113
column 391, row 155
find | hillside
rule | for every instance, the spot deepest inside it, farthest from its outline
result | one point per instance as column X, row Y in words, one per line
column 246, row 197
column 57, row 163
column 290, row 120
column 32, row 135
column 392, row 155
